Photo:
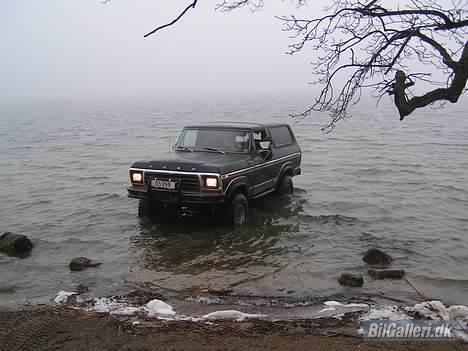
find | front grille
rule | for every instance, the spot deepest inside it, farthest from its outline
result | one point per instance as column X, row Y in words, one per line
column 187, row 183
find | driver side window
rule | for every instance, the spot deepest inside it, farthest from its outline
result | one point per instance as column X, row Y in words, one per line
column 257, row 137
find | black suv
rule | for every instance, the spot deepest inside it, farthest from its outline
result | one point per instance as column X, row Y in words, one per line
column 218, row 167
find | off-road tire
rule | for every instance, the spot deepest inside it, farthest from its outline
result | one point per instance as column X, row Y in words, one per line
column 236, row 212
column 145, row 209
column 285, row 187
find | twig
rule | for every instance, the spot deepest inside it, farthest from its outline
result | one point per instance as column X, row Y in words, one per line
column 192, row 5
column 432, row 308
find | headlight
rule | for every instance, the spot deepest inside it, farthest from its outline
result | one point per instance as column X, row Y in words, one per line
column 137, row 177
column 211, row 182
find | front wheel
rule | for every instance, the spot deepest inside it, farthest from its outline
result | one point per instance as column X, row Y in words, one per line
column 236, row 212
column 145, row 208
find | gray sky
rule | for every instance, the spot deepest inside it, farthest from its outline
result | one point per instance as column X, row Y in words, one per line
column 81, row 49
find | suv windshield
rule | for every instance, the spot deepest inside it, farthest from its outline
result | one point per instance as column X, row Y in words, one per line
column 214, row 140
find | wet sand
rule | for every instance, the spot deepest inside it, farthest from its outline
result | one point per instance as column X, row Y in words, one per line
column 60, row 328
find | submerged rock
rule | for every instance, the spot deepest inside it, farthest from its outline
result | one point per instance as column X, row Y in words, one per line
column 80, row 263
column 386, row 273
column 15, row 244
column 376, row 258
column 351, row 279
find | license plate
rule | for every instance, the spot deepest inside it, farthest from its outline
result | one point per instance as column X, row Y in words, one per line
column 163, row 184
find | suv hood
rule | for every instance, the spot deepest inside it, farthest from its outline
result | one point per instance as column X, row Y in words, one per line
column 210, row 162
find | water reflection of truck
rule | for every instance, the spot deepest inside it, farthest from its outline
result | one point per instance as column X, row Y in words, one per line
column 218, row 168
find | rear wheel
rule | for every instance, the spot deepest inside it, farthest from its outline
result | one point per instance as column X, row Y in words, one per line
column 236, row 212
column 286, row 186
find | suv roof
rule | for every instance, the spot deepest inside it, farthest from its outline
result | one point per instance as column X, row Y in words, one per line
column 234, row 125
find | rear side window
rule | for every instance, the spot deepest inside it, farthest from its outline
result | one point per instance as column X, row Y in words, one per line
column 281, row 135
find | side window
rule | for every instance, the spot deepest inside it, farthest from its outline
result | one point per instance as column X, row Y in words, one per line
column 258, row 136
column 281, row 136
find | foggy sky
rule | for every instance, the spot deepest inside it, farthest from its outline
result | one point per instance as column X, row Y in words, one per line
column 81, row 49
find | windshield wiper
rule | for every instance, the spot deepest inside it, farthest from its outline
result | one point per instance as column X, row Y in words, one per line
column 184, row 148
column 214, row 149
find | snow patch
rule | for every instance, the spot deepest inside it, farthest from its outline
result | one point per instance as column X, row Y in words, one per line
column 336, row 309
column 63, row 296
column 111, row 306
column 160, row 307
column 436, row 310
column 392, row 313
column 348, row 305
column 431, row 310
column 232, row 314
column 328, row 309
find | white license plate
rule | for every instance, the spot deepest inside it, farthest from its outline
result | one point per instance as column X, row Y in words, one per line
column 163, row 184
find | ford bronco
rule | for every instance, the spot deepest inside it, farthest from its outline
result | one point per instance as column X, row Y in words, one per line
column 218, row 167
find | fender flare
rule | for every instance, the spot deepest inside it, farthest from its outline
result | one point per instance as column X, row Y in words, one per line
column 285, row 169
column 241, row 184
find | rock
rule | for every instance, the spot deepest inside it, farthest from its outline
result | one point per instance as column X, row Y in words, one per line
column 351, row 279
column 80, row 263
column 386, row 273
column 15, row 244
column 376, row 258
column 81, row 289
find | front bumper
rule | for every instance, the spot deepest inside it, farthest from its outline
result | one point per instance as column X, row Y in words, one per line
column 175, row 197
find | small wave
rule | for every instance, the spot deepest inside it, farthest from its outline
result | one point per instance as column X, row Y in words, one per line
column 93, row 177
column 326, row 219
column 106, row 196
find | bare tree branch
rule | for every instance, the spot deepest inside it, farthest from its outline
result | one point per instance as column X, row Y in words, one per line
column 451, row 93
column 370, row 44
column 356, row 45
column 192, row 5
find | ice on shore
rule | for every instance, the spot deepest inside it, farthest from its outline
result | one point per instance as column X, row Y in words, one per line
column 431, row 310
column 348, row 305
column 392, row 313
column 232, row 314
column 437, row 310
column 160, row 307
column 109, row 305
column 63, row 296
column 336, row 309
column 434, row 310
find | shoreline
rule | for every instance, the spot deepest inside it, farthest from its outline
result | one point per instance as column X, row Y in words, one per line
column 63, row 328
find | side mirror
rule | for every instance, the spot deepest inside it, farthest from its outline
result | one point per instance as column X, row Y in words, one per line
column 266, row 154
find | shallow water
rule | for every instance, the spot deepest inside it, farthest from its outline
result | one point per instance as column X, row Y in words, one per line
column 402, row 187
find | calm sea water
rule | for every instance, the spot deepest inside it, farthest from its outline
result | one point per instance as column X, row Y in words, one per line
column 373, row 182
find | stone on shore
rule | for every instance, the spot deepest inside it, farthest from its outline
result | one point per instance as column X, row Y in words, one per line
column 15, row 244
column 376, row 258
column 351, row 279
column 386, row 273
column 80, row 263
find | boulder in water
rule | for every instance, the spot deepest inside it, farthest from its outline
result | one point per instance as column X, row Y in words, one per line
column 15, row 244
column 351, row 279
column 80, row 263
column 376, row 258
